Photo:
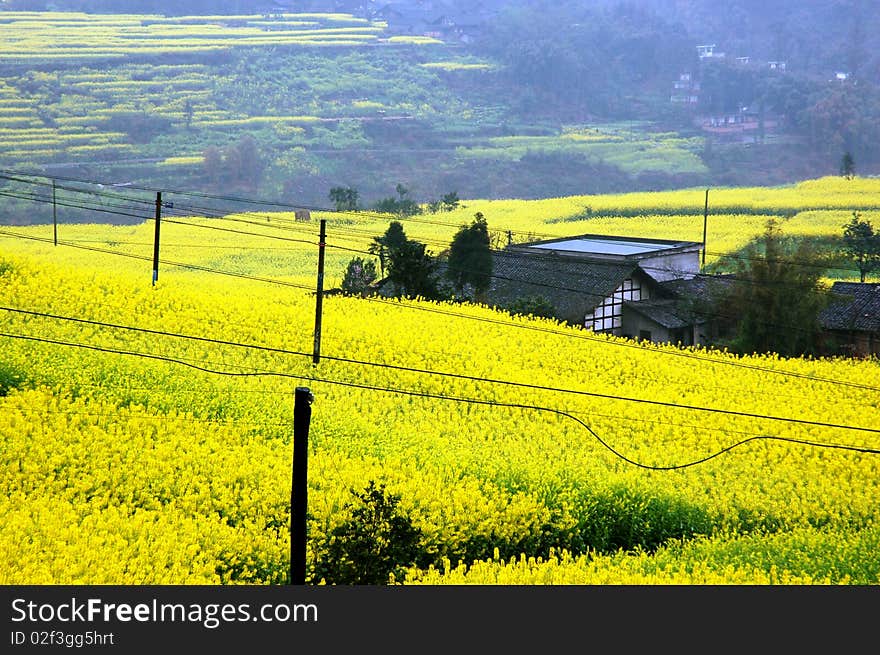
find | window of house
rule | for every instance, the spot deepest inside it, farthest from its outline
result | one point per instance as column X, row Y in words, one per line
column 644, row 335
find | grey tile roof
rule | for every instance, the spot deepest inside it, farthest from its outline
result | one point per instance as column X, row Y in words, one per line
column 702, row 287
column 854, row 306
column 663, row 312
column 573, row 285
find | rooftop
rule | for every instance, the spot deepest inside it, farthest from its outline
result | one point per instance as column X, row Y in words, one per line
column 614, row 246
column 855, row 306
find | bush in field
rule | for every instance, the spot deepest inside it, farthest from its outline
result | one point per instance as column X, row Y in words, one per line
column 10, row 378
column 532, row 306
column 374, row 544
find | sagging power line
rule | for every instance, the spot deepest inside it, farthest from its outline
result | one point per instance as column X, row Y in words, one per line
column 458, row 399
column 444, row 374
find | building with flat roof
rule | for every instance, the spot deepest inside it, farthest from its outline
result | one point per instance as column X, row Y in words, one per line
column 663, row 259
column 589, row 278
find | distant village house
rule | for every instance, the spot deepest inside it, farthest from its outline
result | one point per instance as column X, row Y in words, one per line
column 851, row 321
column 608, row 284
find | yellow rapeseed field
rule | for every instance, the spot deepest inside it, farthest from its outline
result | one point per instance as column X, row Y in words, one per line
column 146, row 431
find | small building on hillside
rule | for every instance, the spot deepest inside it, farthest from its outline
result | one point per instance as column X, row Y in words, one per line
column 708, row 52
column 851, row 321
column 589, row 279
column 685, row 90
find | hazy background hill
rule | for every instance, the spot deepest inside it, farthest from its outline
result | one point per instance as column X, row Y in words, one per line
column 487, row 99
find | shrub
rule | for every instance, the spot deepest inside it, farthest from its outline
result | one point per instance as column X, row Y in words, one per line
column 10, row 378
column 376, row 543
column 532, row 306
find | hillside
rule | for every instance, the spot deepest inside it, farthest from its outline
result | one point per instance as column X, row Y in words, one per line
column 287, row 106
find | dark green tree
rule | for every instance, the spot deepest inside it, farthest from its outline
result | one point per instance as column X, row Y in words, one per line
column 392, row 241
column 847, row 166
column 862, row 244
column 344, row 198
column 450, row 201
column 359, row 275
column 470, row 258
column 410, row 268
column 402, row 205
column 776, row 297
column 244, row 164
column 376, row 542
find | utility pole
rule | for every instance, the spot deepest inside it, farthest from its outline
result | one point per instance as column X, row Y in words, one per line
column 156, row 237
column 705, row 224
column 54, row 214
column 302, row 414
column 319, row 298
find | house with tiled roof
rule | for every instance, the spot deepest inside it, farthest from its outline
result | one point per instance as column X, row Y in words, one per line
column 851, row 321
column 604, row 283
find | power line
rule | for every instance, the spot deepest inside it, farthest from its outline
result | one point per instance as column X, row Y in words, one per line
column 22, row 175
column 95, row 208
column 200, row 391
column 472, row 401
column 331, row 358
column 194, row 267
column 377, row 215
column 595, row 338
column 460, row 376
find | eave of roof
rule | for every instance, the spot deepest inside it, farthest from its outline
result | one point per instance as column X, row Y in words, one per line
column 662, row 312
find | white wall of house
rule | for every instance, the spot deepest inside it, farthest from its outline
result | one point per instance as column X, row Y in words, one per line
column 677, row 266
column 608, row 315
column 640, row 327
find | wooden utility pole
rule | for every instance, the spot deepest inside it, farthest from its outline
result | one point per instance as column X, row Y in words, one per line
column 319, row 298
column 705, row 224
column 156, row 237
column 302, row 414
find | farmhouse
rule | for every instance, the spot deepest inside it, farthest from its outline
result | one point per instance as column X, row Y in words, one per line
column 616, row 285
column 852, row 319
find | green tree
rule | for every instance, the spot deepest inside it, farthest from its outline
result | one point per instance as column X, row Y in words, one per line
column 244, row 163
column 359, row 275
column 470, row 258
column 212, row 163
column 776, row 297
column 402, row 205
column 238, row 164
column 847, row 166
column 450, row 201
column 344, row 198
column 392, row 241
column 410, row 268
column 862, row 244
